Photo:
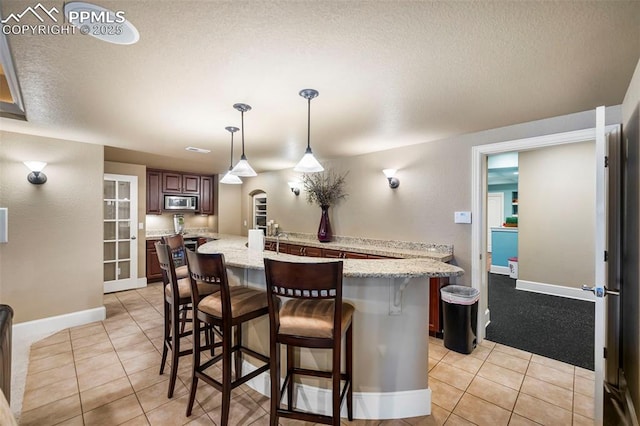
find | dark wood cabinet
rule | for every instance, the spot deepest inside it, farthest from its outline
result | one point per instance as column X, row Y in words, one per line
column 171, row 182
column 161, row 182
column 352, row 255
column 154, row 195
column 206, row 195
column 292, row 249
column 191, row 184
column 332, row 254
column 312, row 252
column 435, row 305
column 154, row 272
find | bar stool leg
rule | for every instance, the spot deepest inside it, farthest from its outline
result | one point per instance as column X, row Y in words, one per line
column 238, row 354
column 195, row 363
column 175, row 349
column 291, row 362
column 349, row 368
column 335, row 382
column 274, row 361
column 165, row 342
column 226, row 376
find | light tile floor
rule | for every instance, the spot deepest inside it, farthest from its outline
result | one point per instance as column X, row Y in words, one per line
column 106, row 373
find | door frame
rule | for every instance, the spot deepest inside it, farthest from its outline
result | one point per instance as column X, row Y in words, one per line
column 479, row 154
column 134, row 280
column 479, row 278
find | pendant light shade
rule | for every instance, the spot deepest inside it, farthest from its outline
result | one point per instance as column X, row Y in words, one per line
column 308, row 163
column 243, row 168
column 230, row 178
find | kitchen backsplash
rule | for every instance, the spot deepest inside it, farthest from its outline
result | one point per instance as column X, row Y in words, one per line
column 163, row 224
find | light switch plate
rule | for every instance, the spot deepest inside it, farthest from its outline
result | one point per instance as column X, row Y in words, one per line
column 4, row 225
column 462, row 217
column 140, row 225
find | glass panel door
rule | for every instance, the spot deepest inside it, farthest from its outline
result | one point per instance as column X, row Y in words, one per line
column 120, row 232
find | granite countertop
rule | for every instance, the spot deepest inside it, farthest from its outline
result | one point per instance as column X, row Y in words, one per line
column 400, row 249
column 236, row 254
column 191, row 233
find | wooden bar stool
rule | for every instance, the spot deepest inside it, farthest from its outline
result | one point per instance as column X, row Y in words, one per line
column 172, row 308
column 227, row 309
column 312, row 316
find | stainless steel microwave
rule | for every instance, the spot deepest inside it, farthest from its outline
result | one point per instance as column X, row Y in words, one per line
column 180, row 202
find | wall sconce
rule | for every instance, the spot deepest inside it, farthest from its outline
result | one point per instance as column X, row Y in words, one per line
column 295, row 187
column 36, row 176
column 394, row 182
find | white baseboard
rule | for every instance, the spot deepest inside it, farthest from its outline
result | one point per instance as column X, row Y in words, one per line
column 555, row 290
column 50, row 325
column 24, row 334
column 366, row 405
column 114, row 286
column 502, row 270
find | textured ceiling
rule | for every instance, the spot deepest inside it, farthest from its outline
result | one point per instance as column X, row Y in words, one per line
column 389, row 74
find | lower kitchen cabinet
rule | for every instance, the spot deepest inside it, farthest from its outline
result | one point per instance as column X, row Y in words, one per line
column 435, row 305
column 154, row 272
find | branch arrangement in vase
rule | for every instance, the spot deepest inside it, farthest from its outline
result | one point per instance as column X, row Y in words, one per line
column 326, row 188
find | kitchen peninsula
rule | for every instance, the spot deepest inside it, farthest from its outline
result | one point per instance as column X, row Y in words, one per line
column 391, row 298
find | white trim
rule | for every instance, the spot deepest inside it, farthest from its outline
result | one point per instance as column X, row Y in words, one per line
column 502, row 270
column 479, row 187
column 555, row 290
column 113, row 286
column 50, row 325
column 366, row 405
column 24, row 334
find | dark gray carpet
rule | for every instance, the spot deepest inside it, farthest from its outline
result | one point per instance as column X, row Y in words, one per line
column 550, row 326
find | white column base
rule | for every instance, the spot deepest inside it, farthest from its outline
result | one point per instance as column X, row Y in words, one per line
column 366, row 405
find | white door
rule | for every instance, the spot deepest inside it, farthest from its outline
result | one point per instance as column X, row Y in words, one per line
column 599, row 287
column 120, row 206
column 495, row 214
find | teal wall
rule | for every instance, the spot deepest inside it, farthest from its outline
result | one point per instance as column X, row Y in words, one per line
column 506, row 189
column 504, row 244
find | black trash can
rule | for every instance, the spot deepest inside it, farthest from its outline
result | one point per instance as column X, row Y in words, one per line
column 460, row 317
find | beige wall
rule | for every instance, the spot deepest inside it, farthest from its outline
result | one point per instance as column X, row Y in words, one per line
column 556, row 197
column 229, row 209
column 630, row 296
column 141, row 172
column 435, row 181
column 52, row 264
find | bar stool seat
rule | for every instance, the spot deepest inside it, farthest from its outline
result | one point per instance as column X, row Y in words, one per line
column 310, row 318
column 306, row 311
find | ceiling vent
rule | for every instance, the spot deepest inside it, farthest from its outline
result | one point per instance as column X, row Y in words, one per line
column 198, row 150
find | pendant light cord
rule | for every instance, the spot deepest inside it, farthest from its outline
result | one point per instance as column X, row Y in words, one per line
column 231, row 165
column 309, row 124
column 242, row 124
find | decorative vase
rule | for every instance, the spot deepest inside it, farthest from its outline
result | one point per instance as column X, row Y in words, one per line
column 324, row 230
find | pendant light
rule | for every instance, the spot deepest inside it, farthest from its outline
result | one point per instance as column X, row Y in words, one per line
column 308, row 163
column 243, row 168
column 230, row 178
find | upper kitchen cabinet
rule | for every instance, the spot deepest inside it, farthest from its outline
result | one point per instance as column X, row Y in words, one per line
column 206, row 195
column 154, row 194
column 165, row 182
column 178, row 183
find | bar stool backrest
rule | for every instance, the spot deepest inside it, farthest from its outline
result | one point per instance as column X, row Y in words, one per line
column 167, row 264
column 294, row 280
column 209, row 268
column 176, row 244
